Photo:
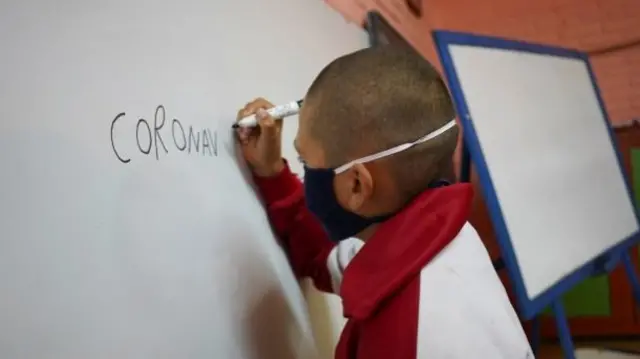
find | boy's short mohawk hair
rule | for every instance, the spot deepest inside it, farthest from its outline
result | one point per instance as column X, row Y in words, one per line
column 380, row 97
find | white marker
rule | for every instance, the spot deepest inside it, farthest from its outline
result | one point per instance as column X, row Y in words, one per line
column 278, row 112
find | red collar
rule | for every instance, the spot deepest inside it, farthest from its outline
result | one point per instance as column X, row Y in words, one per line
column 402, row 246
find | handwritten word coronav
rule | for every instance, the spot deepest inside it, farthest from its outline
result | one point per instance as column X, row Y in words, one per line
column 163, row 136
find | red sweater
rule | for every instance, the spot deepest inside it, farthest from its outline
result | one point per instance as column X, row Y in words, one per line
column 409, row 292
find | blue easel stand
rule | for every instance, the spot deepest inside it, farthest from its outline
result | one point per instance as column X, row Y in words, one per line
column 633, row 276
column 564, row 334
column 535, row 335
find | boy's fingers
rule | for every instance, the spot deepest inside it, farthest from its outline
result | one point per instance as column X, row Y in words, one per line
column 246, row 134
column 267, row 123
column 267, row 126
column 261, row 103
column 255, row 105
column 242, row 113
column 241, row 137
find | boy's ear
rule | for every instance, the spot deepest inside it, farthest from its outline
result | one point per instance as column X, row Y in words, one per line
column 361, row 186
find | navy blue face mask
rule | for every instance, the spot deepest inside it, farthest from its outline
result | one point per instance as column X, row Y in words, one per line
column 338, row 222
column 321, row 201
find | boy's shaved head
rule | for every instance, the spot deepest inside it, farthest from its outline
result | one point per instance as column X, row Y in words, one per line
column 377, row 98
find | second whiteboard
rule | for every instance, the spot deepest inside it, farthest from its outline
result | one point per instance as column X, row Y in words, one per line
column 551, row 166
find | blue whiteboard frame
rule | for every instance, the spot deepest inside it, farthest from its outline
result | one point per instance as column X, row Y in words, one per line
column 528, row 307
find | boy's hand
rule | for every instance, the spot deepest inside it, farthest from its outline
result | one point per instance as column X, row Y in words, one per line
column 261, row 145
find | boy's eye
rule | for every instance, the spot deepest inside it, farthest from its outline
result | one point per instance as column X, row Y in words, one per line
column 301, row 160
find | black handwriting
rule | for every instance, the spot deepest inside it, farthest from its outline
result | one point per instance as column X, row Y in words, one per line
column 197, row 141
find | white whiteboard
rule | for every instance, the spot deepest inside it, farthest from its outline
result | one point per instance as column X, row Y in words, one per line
column 167, row 257
column 550, row 158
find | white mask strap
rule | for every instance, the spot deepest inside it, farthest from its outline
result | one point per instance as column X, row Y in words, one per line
column 396, row 149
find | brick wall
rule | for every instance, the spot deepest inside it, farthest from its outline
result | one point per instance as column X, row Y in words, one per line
column 588, row 25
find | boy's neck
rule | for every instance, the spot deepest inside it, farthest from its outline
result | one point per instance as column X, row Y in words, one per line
column 367, row 232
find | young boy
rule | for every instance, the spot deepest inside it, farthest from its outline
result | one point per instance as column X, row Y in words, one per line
column 376, row 221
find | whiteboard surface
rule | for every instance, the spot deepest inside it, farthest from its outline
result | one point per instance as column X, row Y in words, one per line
column 547, row 148
column 169, row 255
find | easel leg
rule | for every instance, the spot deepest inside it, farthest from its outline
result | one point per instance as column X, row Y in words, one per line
column 465, row 176
column 535, row 334
column 563, row 330
column 633, row 277
column 635, row 286
column 465, row 164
